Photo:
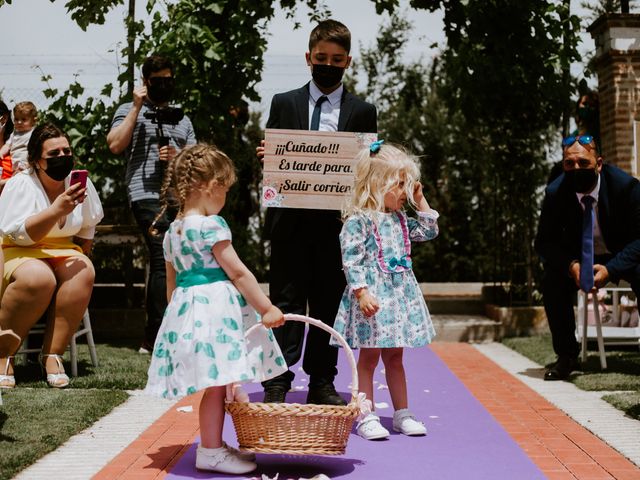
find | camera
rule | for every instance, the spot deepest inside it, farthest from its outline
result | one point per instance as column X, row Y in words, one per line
column 165, row 115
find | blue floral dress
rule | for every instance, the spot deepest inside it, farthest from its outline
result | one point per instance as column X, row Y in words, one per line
column 202, row 341
column 376, row 253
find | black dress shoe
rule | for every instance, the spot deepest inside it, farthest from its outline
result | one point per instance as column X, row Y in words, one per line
column 325, row 395
column 275, row 394
column 561, row 370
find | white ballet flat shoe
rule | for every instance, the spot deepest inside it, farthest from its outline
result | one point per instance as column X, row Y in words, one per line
column 405, row 422
column 370, row 428
column 222, row 460
column 249, row 456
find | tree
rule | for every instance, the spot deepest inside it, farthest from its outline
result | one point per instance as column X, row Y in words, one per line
column 502, row 85
column 413, row 112
column 218, row 47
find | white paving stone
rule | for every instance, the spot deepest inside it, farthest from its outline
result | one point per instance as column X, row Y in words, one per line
column 587, row 408
column 84, row 454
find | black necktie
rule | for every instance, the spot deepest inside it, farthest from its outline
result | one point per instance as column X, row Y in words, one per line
column 586, row 262
column 315, row 116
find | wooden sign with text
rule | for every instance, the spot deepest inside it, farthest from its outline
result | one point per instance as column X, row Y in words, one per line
column 310, row 169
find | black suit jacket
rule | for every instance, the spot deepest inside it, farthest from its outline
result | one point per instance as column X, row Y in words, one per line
column 559, row 237
column 290, row 110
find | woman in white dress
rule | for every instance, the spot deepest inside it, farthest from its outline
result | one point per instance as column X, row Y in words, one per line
column 47, row 227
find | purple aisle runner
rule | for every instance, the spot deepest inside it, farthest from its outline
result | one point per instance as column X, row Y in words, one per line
column 463, row 442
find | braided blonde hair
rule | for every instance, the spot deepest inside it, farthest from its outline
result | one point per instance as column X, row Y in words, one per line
column 192, row 167
column 376, row 174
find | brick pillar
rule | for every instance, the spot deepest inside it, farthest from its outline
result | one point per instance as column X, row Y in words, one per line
column 617, row 61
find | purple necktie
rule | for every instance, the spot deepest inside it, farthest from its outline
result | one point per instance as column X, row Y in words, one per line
column 586, row 261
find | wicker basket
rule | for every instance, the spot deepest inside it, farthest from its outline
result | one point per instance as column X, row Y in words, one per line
column 293, row 428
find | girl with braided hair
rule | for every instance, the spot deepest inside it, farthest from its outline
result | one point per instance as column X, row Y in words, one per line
column 212, row 296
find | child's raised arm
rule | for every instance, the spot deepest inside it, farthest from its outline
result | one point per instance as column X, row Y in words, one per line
column 246, row 283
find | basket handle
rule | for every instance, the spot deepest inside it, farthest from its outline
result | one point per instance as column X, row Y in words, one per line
column 343, row 343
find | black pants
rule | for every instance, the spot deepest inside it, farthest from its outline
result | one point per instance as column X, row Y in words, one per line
column 559, row 292
column 145, row 212
column 306, row 269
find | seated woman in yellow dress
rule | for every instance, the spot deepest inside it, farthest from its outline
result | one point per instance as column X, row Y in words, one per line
column 47, row 228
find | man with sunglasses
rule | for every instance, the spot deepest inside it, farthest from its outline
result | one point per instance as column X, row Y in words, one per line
column 588, row 235
column 136, row 133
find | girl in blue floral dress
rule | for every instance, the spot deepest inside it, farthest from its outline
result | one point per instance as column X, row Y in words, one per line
column 382, row 308
column 201, row 343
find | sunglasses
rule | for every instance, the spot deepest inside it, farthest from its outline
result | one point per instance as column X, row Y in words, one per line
column 583, row 139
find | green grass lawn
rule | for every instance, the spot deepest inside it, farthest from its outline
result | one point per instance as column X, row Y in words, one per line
column 622, row 373
column 36, row 419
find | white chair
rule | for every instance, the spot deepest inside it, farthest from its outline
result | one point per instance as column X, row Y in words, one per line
column 583, row 312
column 84, row 329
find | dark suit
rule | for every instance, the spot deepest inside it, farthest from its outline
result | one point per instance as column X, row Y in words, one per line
column 306, row 264
column 558, row 243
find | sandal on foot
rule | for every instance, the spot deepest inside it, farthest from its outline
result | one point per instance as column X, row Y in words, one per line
column 55, row 380
column 6, row 380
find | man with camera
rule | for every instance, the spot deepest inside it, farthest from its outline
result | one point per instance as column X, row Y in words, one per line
column 150, row 133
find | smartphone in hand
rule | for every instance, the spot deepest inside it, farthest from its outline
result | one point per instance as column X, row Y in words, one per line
column 79, row 176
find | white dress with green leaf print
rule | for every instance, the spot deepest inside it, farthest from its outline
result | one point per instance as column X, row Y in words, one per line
column 202, row 342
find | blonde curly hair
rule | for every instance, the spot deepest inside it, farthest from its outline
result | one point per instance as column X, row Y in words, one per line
column 377, row 173
column 195, row 165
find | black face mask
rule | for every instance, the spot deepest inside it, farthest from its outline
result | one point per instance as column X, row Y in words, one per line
column 160, row 89
column 326, row 76
column 582, row 180
column 58, row 168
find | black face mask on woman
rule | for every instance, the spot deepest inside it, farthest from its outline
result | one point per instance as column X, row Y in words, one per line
column 326, row 76
column 582, row 180
column 58, row 168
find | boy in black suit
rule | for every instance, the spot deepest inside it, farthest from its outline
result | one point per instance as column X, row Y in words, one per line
column 306, row 263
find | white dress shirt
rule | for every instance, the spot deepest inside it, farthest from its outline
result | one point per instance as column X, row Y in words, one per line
column 329, row 110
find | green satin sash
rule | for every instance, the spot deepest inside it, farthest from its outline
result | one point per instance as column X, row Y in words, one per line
column 200, row 276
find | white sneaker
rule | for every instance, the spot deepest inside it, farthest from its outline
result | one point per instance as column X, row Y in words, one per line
column 370, row 428
column 222, row 460
column 250, row 456
column 405, row 422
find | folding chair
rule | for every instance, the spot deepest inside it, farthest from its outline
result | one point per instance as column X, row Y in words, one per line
column 83, row 329
column 583, row 311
